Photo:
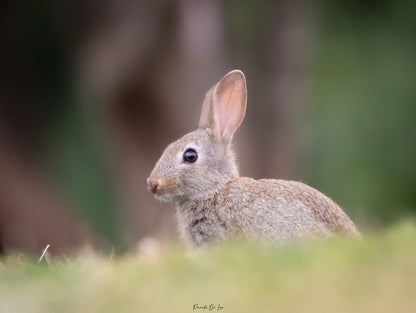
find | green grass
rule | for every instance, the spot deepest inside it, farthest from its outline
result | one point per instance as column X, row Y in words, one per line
column 377, row 274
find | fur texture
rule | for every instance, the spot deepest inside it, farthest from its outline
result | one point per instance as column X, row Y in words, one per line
column 213, row 203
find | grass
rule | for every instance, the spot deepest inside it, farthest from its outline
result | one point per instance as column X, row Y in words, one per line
column 377, row 274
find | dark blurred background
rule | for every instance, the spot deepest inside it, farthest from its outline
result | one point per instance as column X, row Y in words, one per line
column 92, row 91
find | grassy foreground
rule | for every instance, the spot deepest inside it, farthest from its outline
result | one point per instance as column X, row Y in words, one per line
column 377, row 274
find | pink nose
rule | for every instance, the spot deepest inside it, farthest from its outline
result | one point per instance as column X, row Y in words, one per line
column 151, row 189
column 152, row 185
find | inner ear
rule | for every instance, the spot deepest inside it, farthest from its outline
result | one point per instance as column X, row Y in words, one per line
column 230, row 99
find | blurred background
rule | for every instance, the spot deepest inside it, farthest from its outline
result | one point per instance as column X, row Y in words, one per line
column 92, row 91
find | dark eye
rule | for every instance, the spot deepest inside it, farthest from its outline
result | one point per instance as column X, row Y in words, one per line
column 190, row 156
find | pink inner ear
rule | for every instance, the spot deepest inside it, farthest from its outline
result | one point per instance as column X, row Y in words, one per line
column 231, row 97
column 228, row 106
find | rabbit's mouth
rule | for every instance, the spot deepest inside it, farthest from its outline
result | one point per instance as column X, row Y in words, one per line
column 169, row 197
column 165, row 197
column 158, row 193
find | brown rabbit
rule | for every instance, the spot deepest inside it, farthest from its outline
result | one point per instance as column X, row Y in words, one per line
column 198, row 172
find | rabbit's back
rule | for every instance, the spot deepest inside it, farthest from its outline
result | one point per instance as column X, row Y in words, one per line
column 266, row 210
column 284, row 210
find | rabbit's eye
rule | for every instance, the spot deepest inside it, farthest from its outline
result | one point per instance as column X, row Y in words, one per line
column 190, row 156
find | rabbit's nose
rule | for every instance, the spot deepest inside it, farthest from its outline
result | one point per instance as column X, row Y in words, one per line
column 152, row 184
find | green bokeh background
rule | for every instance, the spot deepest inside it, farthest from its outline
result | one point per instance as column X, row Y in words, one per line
column 360, row 132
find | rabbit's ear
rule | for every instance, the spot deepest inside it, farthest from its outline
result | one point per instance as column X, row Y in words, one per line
column 224, row 107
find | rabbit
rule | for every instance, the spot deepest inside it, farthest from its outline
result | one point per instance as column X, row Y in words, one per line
column 199, row 173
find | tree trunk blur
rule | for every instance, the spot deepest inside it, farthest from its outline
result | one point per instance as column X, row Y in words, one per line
column 150, row 79
column 276, row 70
